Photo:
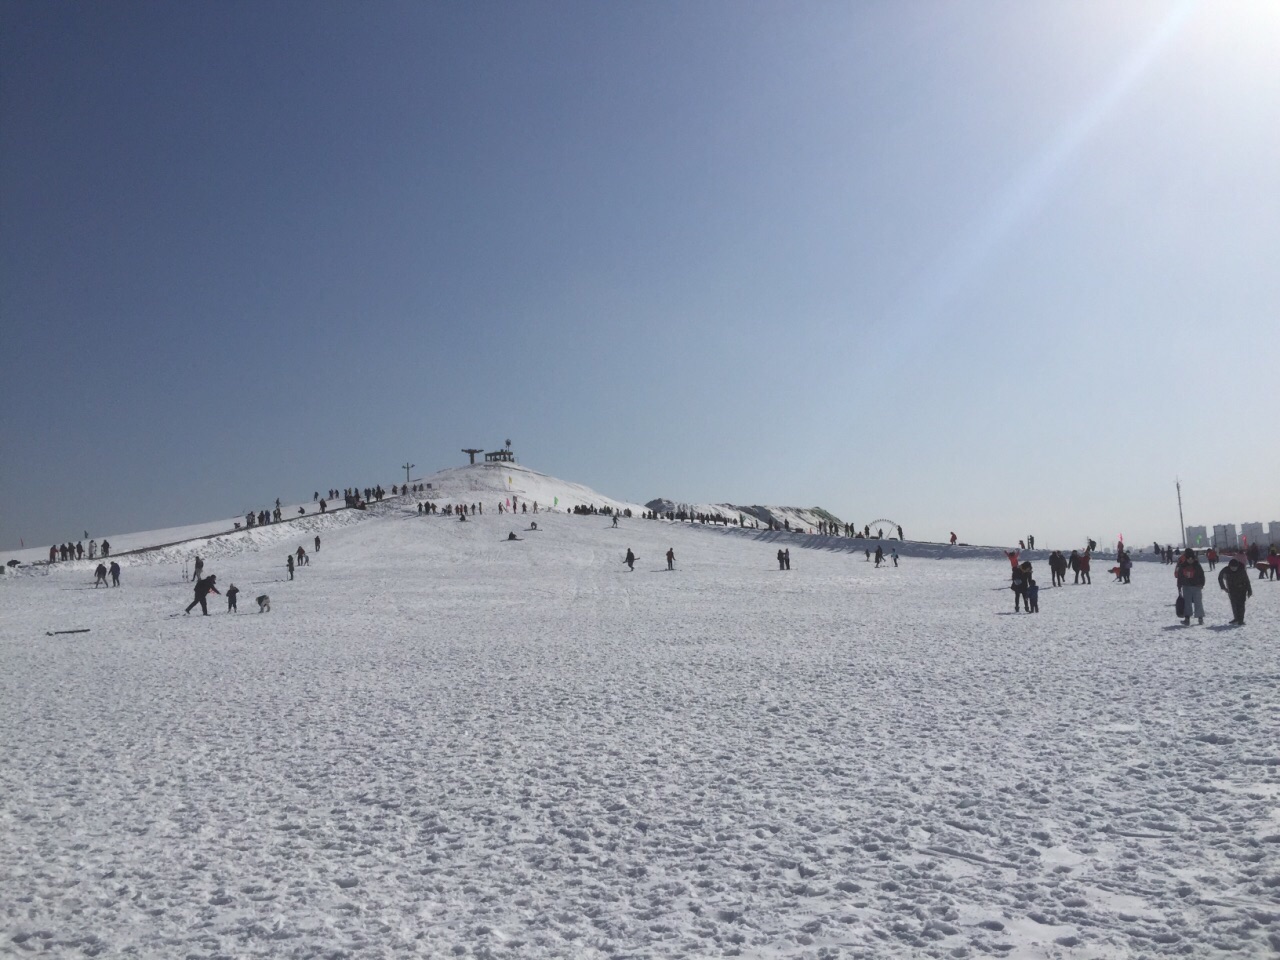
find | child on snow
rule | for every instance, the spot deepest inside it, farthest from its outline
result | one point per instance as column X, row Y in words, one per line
column 1033, row 597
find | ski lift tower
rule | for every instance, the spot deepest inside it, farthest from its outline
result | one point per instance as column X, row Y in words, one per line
column 471, row 451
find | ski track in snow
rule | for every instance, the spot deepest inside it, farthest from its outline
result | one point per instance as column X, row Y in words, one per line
column 443, row 744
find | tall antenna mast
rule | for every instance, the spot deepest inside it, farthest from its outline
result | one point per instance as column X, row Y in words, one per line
column 407, row 467
column 1178, row 484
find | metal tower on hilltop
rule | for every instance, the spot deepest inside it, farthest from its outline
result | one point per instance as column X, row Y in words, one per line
column 407, row 467
column 472, row 451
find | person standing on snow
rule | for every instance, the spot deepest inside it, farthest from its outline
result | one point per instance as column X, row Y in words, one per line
column 780, row 560
column 114, row 570
column 1019, row 582
column 786, row 558
column 630, row 560
column 879, row 556
column 203, row 589
column 231, row 598
column 317, row 543
column 1190, row 577
column 198, row 569
column 671, row 558
column 1234, row 579
column 100, row 576
column 894, row 555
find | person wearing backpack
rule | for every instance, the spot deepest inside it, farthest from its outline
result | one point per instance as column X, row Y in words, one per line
column 1190, row 577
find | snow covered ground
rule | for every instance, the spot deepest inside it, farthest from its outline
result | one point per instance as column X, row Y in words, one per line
column 443, row 743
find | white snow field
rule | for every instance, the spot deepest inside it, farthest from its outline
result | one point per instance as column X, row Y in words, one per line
column 440, row 743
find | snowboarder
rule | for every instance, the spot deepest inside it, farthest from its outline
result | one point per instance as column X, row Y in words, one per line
column 114, row 570
column 1234, row 579
column 288, row 562
column 671, row 558
column 100, row 576
column 231, row 598
column 630, row 560
column 203, row 589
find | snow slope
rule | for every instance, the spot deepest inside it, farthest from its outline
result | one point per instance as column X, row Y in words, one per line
column 442, row 743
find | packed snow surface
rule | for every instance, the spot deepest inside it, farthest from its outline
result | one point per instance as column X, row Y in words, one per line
column 441, row 742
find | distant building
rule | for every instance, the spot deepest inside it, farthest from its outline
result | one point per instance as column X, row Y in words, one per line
column 1198, row 537
column 1275, row 533
column 1253, row 533
column 1224, row 536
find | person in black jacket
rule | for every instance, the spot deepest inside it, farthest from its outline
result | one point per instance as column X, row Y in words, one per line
column 1234, row 579
column 1190, row 577
column 203, row 589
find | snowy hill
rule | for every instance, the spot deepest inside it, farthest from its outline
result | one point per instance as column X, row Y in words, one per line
column 798, row 518
column 442, row 742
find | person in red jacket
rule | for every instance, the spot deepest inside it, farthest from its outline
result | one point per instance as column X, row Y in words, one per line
column 1190, row 577
column 1084, row 567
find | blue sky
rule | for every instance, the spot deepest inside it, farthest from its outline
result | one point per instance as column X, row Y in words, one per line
column 989, row 267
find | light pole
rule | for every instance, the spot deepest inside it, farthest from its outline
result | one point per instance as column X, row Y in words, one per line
column 1178, row 484
column 407, row 467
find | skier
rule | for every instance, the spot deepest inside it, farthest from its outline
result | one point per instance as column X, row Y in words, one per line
column 1190, row 578
column 100, row 576
column 231, row 598
column 289, row 563
column 1234, row 579
column 630, row 560
column 671, row 558
column 203, row 589
column 114, row 570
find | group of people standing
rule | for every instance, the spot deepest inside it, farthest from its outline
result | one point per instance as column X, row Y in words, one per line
column 76, row 551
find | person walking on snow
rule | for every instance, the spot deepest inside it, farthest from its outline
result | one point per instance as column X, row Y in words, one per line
column 893, row 554
column 630, row 560
column 671, row 558
column 203, row 589
column 879, row 556
column 114, row 570
column 1234, row 579
column 317, row 543
column 1190, row 578
column 288, row 562
column 100, row 576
